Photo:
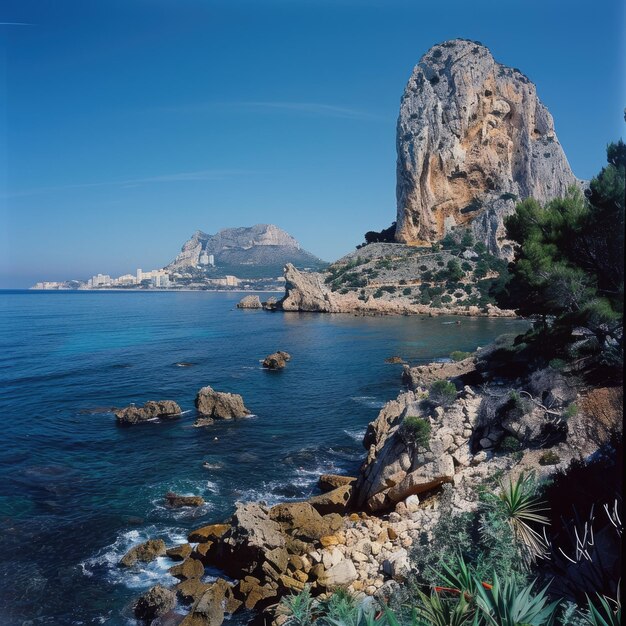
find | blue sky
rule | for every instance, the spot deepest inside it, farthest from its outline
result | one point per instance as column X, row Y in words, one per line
column 127, row 125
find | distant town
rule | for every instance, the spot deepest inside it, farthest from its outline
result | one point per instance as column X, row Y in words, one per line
column 192, row 278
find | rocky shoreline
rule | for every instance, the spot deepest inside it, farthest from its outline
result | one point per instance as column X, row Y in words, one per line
column 359, row 532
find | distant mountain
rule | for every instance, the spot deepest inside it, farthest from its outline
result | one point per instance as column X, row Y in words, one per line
column 260, row 250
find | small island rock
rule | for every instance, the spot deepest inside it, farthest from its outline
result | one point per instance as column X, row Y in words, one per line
column 276, row 360
column 217, row 404
column 135, row 415
column 250, row 302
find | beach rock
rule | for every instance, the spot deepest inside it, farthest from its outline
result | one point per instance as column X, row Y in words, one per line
column 254, row 594
column 328, row 482
column 175, row 501
column 179, row 553
column 276, row 360
column 144, row 552
column 208, row 610
column 219, row 404
column 335, row 501
column 250, row 302
column 339, row 575
column 150, row 410
column 271, row 304
column 155, row 602
column 473, row 138
column 189, row 568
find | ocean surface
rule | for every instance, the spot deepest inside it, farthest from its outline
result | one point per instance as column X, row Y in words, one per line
column 77, row 491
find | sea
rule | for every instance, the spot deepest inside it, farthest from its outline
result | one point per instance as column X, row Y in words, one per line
column 77, row 491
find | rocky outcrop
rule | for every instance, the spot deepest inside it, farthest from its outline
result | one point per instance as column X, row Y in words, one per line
column 144, row 552
column 155, row 602
column 328, row 482
column 150, row 410
column 472, row 138
column 308, row 291
column 220, row 405
column 276, row 360
column 250, row 302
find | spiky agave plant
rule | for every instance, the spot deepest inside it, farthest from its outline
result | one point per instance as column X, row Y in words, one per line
column 504, row 604
column 298, row 608
column 523, row 510
column 603, row 613
column 434, row 610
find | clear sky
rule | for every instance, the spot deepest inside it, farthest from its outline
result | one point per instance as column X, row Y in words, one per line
column 126, row 125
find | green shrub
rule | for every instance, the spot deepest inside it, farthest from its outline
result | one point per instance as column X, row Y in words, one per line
column 454, row 270
column 570, row 411
column 550, row 457
column 466, row 266
column 407, row 291
column 459, row 355
column 423, row 268
column 447, row 298
column 510, row 444
column 442, row 392
column 415, row 432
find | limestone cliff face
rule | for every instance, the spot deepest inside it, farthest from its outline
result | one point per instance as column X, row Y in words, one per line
column 472, row 138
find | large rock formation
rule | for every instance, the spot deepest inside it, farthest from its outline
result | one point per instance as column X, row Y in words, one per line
column 259, row 245
column 150, row 410
column 472, row 138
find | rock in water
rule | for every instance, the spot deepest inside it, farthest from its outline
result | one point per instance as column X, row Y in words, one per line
column 154, row 603
column 472, row 138
column 175, row 501
column 277, row 360
column 250, row 302
column 134, row 414
column 144, row 552
column 220, row 405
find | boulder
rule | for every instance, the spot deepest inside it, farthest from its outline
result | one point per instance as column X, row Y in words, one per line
column 276, row 360
column 175, row 501
column 144, row 552
column 191, row 590
column 208, row 610
column 252, row 540
column 179, row 553
column 189, row 568
column 150, row 410
column 155, row 602
column 303, row 521
column 328, row 482
column 394, row 359
column 207, row 533
column 250, row 302
column 339, row 575
column 254, row 594
column 335, row 501
column 220, row 405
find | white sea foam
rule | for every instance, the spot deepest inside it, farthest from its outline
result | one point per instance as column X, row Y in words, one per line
column 370, row 402
column 142, row 575
column 355, row 433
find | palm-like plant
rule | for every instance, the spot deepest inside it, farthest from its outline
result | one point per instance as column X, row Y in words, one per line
column 298, row 608
column 504, row 604
column 524, row 509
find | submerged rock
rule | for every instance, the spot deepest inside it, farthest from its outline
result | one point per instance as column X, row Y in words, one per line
column 134, row 414
column 220, row 405
column 175, row 501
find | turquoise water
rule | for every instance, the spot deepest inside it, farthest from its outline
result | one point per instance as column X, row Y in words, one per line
column 76, row 491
